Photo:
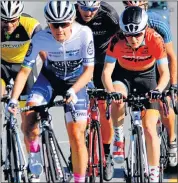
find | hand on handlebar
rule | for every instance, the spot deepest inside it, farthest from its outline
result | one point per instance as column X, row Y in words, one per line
column 115, row 97
column 12, row 108
column 71, row 96
column 174, row 87
column 154, row 95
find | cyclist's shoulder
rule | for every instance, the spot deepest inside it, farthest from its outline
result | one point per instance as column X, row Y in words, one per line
column 156, row 19
column 28, row 21
column 153, row 39
column 152, row 35
column 81, row 29
column 108, row 11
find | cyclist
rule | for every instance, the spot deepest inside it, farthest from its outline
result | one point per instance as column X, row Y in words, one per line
column 103, row 20
column 17, row 29
column 158, row 23
column 70, row 65
column 137, row 49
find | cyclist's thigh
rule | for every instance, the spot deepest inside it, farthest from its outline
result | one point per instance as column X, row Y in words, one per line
column 121, row 81
column 80, row 107
column 41, row 92
column 144, row 82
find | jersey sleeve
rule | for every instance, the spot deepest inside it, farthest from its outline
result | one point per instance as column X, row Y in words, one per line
column 32, row 53
column 88, row 51
column 158, row 46
column 111, row 55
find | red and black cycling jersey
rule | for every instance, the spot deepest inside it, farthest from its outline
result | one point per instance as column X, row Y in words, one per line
column 104, row 25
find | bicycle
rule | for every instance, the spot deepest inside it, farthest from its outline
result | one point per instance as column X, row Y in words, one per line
column 51, row 151
column 136, row 160
column 14, row 165
column 163, row 135
column 96, row 160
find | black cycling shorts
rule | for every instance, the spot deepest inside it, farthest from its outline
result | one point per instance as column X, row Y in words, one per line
column 10, row 70
column 142, row 81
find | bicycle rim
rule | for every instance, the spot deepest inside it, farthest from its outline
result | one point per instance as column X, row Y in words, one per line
column 97, row 154
column 139, row 156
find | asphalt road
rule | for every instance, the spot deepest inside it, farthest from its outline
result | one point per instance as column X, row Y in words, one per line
column 36, row 10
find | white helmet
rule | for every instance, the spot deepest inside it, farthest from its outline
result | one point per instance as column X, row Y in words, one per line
column 11, row 9
column 89, row 3
column 133, row 20
column 59, row 11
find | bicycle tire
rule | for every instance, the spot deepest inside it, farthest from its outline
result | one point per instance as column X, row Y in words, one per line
column 139, row 158
column 17, row 175
column 45, row 162
column 12, row 172
column 45, row 136
column 163, row 153
column 97, row 137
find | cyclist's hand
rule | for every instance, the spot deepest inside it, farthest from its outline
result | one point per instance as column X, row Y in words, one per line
column 175, row 89
column 116, row 97
column 154, row 95
column 71, row 96
column 12, row 107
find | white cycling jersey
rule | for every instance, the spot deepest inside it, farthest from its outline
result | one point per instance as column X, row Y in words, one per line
column 65, row 59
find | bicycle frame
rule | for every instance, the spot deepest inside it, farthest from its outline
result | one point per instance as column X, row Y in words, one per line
column 94, row 115
column 11, row 125
column 12, row 136
column 55, row 150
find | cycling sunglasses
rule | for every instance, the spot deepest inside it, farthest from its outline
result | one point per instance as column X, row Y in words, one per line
column 85, row 8
column 133, row 35
column 62, row 25
column 9, row 21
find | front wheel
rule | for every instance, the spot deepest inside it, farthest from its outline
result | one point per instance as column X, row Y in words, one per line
column 96, row 159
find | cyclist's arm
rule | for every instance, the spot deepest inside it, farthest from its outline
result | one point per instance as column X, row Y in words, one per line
column 84, row 78
column 107, row 73
column 25, row 70
column 172, row 62
column 163, row 69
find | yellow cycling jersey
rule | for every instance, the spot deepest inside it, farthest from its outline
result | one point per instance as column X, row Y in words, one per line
column 13, row 50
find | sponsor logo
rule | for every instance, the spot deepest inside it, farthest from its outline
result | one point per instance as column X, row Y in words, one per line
column 80, row 114
column 90, row 49
column 12, row 45
column 29, row 50
column 99, row 32
column 72, row 52
column 17, row 35
column 97, row 23
column 137, row 59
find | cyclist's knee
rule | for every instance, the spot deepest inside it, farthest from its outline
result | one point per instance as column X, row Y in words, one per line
column 150, row 118
column 30, row 124
column 76, row 134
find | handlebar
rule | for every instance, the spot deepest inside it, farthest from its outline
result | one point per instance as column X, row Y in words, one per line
column 45, row 107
